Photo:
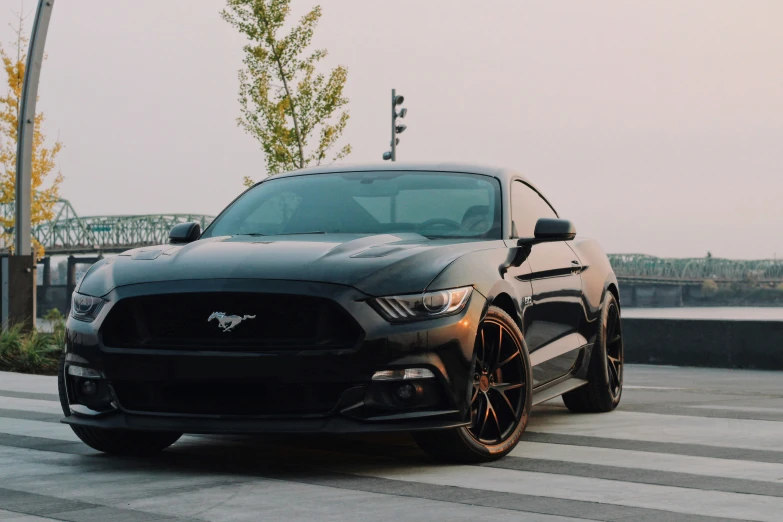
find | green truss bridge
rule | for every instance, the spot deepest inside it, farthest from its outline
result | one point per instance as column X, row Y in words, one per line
column 641, row 269
column 68, row 233
column 649, row 281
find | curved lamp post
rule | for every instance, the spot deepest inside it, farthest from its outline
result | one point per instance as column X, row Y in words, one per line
column 18, row 271
column 24, row 143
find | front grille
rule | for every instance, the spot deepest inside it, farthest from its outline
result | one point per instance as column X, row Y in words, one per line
column 180, row 321
column 228, row 398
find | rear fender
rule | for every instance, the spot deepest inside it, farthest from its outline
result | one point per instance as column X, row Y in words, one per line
column 597, row 277
column 597, row 274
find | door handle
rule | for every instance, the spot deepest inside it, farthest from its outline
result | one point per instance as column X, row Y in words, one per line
column 575, row 262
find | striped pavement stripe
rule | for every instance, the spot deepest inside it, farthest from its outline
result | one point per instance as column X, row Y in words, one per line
column 588, row 489
column 569, row 467
column 681, row 429
column 710, row 467
column 36, row 405
column 728, row 407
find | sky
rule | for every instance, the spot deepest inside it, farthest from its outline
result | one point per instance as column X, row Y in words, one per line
column 657, row 127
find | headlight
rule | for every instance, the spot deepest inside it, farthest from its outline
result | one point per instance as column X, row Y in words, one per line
column 422, row 306
column 85, row 307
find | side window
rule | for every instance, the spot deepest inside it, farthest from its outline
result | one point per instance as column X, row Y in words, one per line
column 527, row 206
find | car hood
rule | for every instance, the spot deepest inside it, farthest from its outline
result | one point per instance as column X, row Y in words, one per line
column 375, row 264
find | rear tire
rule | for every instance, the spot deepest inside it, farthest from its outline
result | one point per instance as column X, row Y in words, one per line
column 501, row 397
column 604, row 388
column 115, row 442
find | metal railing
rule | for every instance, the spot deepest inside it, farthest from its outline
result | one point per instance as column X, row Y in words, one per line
column 643, row 267
column 68, row 233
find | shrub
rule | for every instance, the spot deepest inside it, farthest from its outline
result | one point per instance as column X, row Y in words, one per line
column 10, row 339
column 32, row 352
column 37, row 354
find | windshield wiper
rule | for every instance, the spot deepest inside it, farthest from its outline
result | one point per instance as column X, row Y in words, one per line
column 300, row 233
column 283, row 234
column 452, row 237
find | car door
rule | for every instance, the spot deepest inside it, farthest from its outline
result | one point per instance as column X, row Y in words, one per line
column 552, row 320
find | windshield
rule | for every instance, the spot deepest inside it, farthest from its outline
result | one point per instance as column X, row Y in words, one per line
column 435, row 205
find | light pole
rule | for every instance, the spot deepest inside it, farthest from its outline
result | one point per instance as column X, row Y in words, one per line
column 395, row 127
column 24, row 144
column 18, row 279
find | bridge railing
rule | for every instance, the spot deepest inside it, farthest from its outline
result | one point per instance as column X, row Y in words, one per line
column 68, row 233
column 641, row 266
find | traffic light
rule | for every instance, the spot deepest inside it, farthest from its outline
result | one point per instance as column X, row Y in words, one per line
column 397, row 128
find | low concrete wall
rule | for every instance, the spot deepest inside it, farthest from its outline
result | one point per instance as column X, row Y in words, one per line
column 651, row 296
column 708, row 343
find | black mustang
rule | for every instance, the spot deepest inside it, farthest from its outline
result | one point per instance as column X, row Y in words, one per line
column 443, row 300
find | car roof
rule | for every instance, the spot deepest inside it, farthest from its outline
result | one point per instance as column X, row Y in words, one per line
column 497, row 172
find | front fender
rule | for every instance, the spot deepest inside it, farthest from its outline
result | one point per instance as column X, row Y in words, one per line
column 487, row 271
column 482, row 269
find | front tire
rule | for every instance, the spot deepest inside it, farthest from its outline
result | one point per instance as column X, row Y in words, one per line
column 115, row 442
column 500, row 398
column 604, row 388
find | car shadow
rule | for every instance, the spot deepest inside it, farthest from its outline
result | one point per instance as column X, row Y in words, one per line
column 291, row 456
column 285, row 457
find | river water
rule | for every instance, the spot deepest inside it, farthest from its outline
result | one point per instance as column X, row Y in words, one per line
column 734, row 313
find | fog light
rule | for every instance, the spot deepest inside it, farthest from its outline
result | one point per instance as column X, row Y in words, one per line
column 406, row 392
column 88, row 388
column 409, row 393
column 403, row 375
column 81, row 371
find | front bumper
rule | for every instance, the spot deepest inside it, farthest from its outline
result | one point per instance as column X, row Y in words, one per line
column 444, row 346
column 235, row 426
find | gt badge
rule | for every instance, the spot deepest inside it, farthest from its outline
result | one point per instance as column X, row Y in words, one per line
column 228, row 322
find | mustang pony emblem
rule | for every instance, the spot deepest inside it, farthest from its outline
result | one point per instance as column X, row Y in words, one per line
column 228, row 322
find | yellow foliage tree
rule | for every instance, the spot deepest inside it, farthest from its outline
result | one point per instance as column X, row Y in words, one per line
column 45, row 195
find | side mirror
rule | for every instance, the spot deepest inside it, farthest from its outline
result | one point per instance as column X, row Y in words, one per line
column 184, row 233
column 549, row 230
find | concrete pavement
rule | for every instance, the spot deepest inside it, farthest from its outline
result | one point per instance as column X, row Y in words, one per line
column 686, row 444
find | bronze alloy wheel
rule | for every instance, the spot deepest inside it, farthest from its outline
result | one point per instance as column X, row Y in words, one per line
column 614, row 350
column 498, row 384
column 500, row 397
column 605, row 371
